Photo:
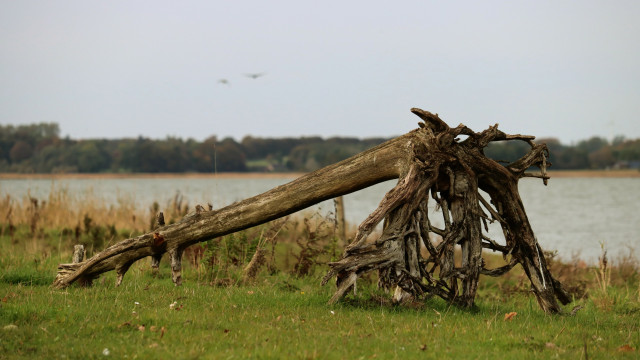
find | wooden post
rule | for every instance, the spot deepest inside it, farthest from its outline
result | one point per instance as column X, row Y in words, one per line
column 78, row 254
column 176, row 266
column 155, row 259
column 340, row 219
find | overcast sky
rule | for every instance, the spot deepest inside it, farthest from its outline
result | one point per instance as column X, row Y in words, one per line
column 113, row 69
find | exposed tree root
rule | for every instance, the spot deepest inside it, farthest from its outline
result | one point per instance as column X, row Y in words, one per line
column 451, row 173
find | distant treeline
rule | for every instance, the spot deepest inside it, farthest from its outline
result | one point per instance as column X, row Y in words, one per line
column 38, row 148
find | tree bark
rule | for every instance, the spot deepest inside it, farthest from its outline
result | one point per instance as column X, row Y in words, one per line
column 373, row 166
column 429, row 162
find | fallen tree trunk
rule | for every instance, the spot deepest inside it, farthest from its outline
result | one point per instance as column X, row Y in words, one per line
column 429, row 161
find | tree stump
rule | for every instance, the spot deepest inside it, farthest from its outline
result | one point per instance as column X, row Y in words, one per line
column 432, row 164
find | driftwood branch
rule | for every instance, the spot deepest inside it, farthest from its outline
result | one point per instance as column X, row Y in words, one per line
column 431, row 165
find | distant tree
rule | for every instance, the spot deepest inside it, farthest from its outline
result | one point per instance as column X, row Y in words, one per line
column 572, row 159
column 20, row 151
column 204, row 155
column 627, row 151
column 43, row 130
column 176, row 157
column 336, row 149
column 506, row 150
column 298, row 158
column 229, row 156
column 617, row 140
column 91, row 157
column 602, row 158
column 593, row 144
column 24, row 141
column 316, row 154
column 46, row 142
column 7, row 141
column 151, row 157
column 260, row 148
column 124, row 156
column 141, row 156
column 49, row 159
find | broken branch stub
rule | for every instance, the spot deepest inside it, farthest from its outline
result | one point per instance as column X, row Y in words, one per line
column 414, row 258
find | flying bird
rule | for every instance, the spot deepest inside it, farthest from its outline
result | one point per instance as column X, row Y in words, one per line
column 255, row 75
column 224, row 82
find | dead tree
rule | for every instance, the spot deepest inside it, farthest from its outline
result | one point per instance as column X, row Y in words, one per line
column 430, row 162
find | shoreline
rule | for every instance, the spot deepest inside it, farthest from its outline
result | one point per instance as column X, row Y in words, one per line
column 255, row 175
column 627, row 173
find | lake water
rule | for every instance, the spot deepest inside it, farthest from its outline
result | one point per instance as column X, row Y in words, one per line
column 570, row 215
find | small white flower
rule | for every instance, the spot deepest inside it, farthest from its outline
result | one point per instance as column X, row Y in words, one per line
column 105, row 352
column 172, row 306
column 332, row 313
column 137, row 303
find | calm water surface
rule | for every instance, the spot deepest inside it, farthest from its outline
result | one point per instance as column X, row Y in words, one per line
column 570, row 215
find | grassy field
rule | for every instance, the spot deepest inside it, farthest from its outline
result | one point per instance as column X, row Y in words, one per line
column 282, row 312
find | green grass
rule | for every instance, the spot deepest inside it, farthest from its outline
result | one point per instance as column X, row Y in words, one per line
column 282, row 316
column 287, row 317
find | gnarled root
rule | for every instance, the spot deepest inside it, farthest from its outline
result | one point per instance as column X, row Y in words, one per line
column 416, row 259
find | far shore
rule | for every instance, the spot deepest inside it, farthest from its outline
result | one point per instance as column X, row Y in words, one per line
column 227, row 175
column 256, row 175
column 627, row 173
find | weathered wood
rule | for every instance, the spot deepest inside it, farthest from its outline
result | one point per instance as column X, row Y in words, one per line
column 373, row 166
column 430, row 163
column 155, row 259
column 341, row 224
column 176, row 265
column 78, row 254
column 453, row 172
